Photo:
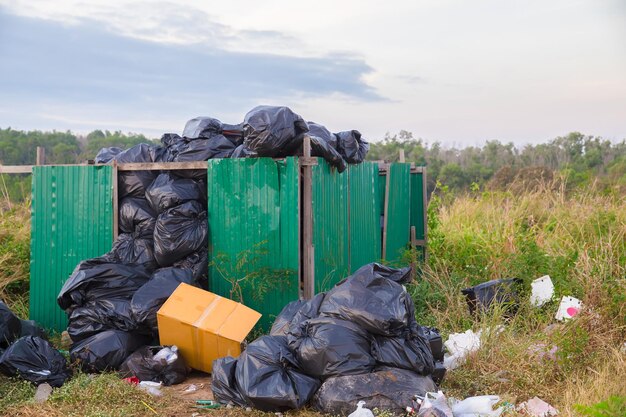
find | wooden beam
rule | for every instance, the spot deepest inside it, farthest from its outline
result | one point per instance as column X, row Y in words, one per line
column 401, row 156
column 308, row 251
column 159, row 166
column 41, row 155
column 16, row 169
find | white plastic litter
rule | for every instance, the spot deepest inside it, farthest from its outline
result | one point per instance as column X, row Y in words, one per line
column 435, row 404
column 191, row 388
column 169, row 354
column 361, row 411
column 568, row 308
column 480, row 406
column 459, row 345
column 542, row 291
column 536, row 407
column 152, row 388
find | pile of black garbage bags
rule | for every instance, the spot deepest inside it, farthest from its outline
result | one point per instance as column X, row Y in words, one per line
column 267, row 131
column 25, row 351
column 358, row 341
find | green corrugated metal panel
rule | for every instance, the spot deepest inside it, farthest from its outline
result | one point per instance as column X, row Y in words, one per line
column 417, row 204
column 330, row 225
column 253, row 209
column 72, row 220
column 365, row 206
column 398, row 206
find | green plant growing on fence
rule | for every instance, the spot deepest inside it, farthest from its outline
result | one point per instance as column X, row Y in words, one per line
column 246, row 270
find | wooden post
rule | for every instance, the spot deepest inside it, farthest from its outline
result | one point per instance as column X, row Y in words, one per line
column 115, row 201
column 41, row 155
column 413, row 247
column 308, row 257
column 401, row 156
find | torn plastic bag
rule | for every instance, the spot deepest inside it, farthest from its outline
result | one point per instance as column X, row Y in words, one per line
column 106, row 155
column 10, row 326
column 351, row 146
column 150, row 297
column 146, row 365
column 502, row 291
column 202, row 127
column 168, row 191
column 268, row 379
column 34, row 359
column 99, row 315
column 100, row 278
column 372, row 301
column 130, row 249
column 137, row 216
column 409, row 352
column 30, row 328
column 326, row 347
column 434, row 340
column 223, row 382
column 106, row 350
column 198, row 264
column 295, row 313
column 389, row 389
column 268, row 130
column 179, row 232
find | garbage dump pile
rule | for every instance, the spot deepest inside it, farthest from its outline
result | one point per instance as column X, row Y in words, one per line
column 358, row 341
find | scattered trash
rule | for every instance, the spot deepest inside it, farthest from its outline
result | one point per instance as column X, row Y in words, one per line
column 568, row 308
column 207, row 404
column 152, row 388
column 480, row 406
column 459, row 345
column 386, row 389
column 536, row 407
column 435, row 404
column 541, row 352
column 204, row 325
column 191, row 388
column 156, row 364
column 10, row 326
column 132, row 380
column 542, row 291
column 361, row 411
column 502, row 291
column 34, row 359
column 43, row 393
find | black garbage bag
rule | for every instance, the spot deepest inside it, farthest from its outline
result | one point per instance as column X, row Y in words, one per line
column 388, row 389
column 150, row 297
column 179, row 232
column 132, row 249
column 106, row 350
column 99, row 315
column 168, row 191
column 137, row 216
column 269, row 130
column 326, row 347
column 268, row 379
column 201, row 149
column 295, row 313
column 411, row 352
column 317, row 130
column 435, row 341
column 223, row 382
column 106, row 155
column 202, row 127
column 34, row 359
column 10, row 326
column 241, row 151
column 30, row 328
column 146, row 365
column 324, row 149
column 372, row 301
column 198, row 264
column 234, row 133
column 99, row 278
column 135, row 183
column 351, row 146
column 502, row 291
column 374, row 269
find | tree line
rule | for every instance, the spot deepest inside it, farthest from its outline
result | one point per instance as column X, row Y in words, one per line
column 581, row 158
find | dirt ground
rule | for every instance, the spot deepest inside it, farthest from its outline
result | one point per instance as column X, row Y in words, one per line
column 184, row 391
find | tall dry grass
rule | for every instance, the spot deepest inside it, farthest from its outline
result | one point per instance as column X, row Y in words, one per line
column 15, row 256
column 579, row 239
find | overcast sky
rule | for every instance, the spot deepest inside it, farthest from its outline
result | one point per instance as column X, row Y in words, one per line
column 459, row 72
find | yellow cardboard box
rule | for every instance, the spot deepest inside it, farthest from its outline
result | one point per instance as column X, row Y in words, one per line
column 204, row 325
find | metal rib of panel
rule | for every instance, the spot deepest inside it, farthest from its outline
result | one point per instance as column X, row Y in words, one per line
column 253, row 226
column 72, row 220
column 398, row 211
column 365, row 230
column 330, row 225
column 417, row 204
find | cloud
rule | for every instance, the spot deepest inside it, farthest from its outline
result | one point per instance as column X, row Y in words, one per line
column 86, row 66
